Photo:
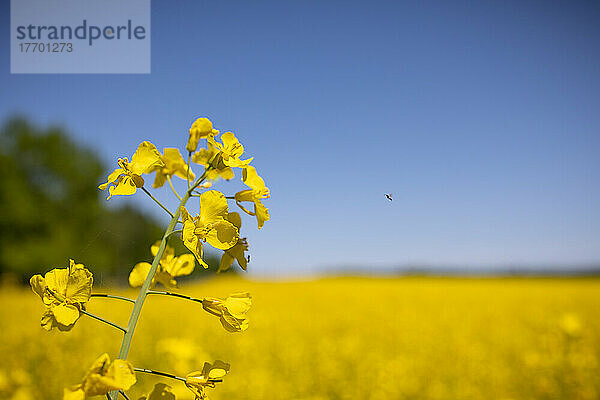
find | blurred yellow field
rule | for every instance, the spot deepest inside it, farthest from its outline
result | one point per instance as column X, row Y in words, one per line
column 335, row 338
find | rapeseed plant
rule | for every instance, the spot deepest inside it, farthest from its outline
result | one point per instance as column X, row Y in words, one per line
column 65, row 292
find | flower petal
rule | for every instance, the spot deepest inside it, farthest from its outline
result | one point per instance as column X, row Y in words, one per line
column 238, row 304
column 250, row 177
column 213, row 206
column 182, row 265
column 191, row 241
column 65, row 314
column 124, row 187
column 226, row 261
column 262, row 213
column 57, row 280
column 79, row 286
column 201, row 128
column 38, row 285
column 218, row 370
column 145, row 159
column 223, row 235
column 235, row 219
column 138, row 274
column 122, row 374
column 111, row 178
column 48, row 322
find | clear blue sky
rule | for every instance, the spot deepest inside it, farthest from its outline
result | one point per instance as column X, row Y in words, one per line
column 482, row 119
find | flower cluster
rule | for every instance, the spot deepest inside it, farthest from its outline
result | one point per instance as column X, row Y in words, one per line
column 169, row 268
column 102, row 377
column 64, row 292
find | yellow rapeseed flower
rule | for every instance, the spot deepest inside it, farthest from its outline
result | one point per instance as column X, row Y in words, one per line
column 237, row 251
column 128, row 178
column 169, row 268
column 64, row 292
column 197, row 381
column 231, row 311
column 210, row 157
column 258, row 191
column 200, row 129
column 210, row 226
column 231, row 150
column 173, row 165
column 102, row 377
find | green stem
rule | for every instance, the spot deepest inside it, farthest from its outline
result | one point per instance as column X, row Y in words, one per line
column 182, row 296
column 112, row 296
column 188, row 168
column 153, row 372
column 103, row 320
column 139, row 302
column 173, row 188
column 157, row 202
column 62, row 299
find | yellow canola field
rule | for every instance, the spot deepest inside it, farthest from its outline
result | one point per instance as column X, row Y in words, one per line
column 334, row 338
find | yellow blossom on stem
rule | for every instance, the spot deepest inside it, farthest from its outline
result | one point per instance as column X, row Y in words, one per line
column 210, row 157
column 173, row 165
column 169, row 268
column 200, row 129
column 102, row 377
column 231, row 150
column 231, row 311
column 257, row 192
column 209, row 226
column 237, row 251
column 128, row 178
column 64, row 292
column 197, row 381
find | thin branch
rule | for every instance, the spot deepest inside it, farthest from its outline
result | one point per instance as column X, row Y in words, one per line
column 188, row 168
column 153, row 372
column 173, row 188
column 157, row 202
column 103, row 320
column 112, row 296
column 182, row 296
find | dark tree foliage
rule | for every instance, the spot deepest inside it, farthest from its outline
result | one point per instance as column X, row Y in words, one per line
column 51, row 209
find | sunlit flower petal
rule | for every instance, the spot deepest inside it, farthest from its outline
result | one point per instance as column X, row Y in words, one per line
column 200, row 129
column 128, row 178
column 237, row 251
column 231, row 311
column 198, row 381
column 231, row 150
column 258, row 191
column 169, row 268
column 173, row 165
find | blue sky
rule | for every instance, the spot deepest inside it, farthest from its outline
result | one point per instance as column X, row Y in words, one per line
column 481, row 118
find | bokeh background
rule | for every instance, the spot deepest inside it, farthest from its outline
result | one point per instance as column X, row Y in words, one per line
column 481, row 121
